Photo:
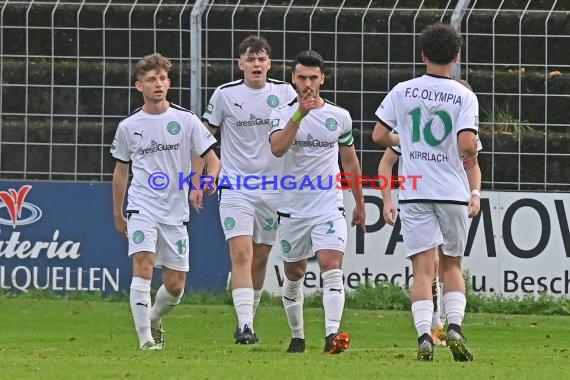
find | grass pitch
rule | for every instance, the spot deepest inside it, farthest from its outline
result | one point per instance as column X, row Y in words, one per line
column 57, row 339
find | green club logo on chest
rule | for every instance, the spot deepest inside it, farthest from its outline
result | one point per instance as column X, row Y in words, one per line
column 173, row 128
column 272, row 101
column 331, row 124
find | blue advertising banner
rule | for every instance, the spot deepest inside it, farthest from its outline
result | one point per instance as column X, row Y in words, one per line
column 60, row 236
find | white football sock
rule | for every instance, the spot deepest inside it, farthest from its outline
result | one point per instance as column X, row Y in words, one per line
column 440, row 308
column 454, row 304
column 293, row 299
column 436, row 320
column 140, row 308
column 243, row 303
column 164, row 302
column 422, row 311
column 333, row 299
column 256, row 299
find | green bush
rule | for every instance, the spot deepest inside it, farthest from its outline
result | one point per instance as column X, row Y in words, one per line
column 383, row 296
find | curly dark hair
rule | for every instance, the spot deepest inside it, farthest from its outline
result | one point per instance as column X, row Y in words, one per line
column 440, row 43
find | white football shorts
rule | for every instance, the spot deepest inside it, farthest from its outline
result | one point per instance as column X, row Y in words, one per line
column 428, row 225
column 302, row 238
column 249, row 213
column 169, row 242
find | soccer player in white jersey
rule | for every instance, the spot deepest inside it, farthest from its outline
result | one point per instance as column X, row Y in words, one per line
column 248, row 190
column 389, row 212
column 437, row 122
column 309, row 133
column 389, row 158
column 157, row 140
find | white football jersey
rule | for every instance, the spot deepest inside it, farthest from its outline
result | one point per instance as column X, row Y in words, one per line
column 428, row 113
column 396, row 148
column 310, row 173
column 157, row 144
column 243, row 114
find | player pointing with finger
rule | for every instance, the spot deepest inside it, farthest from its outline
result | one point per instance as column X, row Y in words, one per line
column 312, row 221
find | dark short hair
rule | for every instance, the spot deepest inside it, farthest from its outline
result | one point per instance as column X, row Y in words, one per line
column 150, row 62
column 440, row 43
column 255, row 44
column 309, row 58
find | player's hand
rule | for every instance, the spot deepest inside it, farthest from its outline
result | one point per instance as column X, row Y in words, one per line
column 209, row 189
column 196, row 200
column 389, row 213
column 121, row 225
column 474, row 206
column 308, row 101
column 359, row 217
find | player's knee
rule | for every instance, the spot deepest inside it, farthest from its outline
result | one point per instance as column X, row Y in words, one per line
column 241, row 254
column 259, row 262
column 332, row 278
column 294, row 273
column 241, row 258
column 176, row 291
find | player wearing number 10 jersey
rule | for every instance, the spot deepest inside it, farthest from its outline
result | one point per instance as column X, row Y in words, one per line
column 437, row 123
column 428, row 113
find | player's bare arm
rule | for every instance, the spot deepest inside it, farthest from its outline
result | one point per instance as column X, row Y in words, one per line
column 385, row 171
column 213, row 171
column 281, row 140
column 468, row 162
column 351, row 165
column 474, row 177
column 198, row 164
column 196, row 195
column 467, row 140
column 120, row 179
column 381, row 135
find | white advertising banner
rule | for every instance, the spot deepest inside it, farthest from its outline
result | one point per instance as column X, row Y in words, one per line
column 519, row 244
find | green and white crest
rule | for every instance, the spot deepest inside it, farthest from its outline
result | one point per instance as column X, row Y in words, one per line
column 272, row 101
column 173, row 128
column 285, row 246
column 138, row 237
column 331, row 124
column 181, row 245
column 229, row 223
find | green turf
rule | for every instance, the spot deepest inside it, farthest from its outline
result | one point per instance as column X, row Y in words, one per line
column 60, row 339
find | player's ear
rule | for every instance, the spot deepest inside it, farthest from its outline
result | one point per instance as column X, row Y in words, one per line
column 455, row 58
